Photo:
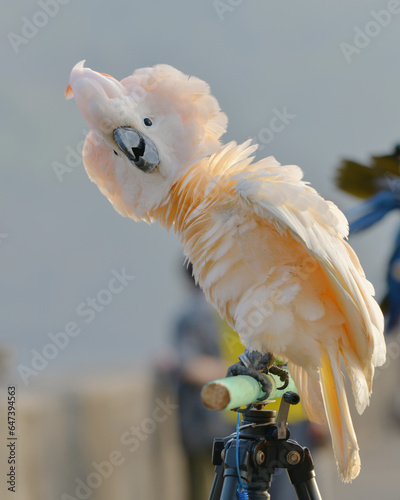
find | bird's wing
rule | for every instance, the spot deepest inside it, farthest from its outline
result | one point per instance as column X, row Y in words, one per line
column 278, row 194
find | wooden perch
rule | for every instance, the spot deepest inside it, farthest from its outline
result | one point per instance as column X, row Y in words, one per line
column 232, row 392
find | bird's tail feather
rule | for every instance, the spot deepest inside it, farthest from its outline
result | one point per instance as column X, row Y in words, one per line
column 344, row 440
column 310, row 389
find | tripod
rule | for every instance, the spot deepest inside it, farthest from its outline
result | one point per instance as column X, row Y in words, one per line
column 262, row 446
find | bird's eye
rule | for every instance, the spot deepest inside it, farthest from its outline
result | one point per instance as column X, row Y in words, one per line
column 147, row 121
column 115, row 152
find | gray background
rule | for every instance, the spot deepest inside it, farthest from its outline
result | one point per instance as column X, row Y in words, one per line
column 61, row 240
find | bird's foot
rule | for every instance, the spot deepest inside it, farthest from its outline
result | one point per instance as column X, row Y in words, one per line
column 282, row 374
column 255, row 364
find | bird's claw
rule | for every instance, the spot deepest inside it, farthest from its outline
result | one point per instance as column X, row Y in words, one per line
column 282, row 374
column 256, row 365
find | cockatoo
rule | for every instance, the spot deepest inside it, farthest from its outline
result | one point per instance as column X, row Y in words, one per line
column 267, row 250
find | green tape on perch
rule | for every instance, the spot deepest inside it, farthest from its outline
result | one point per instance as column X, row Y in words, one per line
column 232, row 392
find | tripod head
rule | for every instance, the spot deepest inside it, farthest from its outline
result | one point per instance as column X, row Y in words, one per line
column 251, row 456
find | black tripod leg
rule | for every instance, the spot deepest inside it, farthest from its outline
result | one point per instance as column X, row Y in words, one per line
column 307, row 490
column 229, row 488
column 302, row 477
column 218, row 482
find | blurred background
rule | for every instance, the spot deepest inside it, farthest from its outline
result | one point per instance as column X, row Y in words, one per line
column 84, row 372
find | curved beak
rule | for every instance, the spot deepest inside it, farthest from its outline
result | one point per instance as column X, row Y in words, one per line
column 94, row 94
column 138, row 148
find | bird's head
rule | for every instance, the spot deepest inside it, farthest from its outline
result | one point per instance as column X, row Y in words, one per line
column 146, row 131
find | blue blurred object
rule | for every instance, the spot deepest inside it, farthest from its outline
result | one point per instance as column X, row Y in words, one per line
column 373, row 210
column 392, row 298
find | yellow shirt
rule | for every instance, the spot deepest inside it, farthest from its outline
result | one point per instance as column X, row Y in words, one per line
column 231, row 347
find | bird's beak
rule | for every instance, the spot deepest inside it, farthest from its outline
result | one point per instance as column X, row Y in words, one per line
column 95, row 94
column 138, row 148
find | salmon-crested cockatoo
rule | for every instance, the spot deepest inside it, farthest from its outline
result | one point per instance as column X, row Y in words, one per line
column 267, row 250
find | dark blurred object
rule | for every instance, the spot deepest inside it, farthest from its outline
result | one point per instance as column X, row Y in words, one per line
column 8, row 355
column 365, row 181
column 196, row 340
column 380, row 184
column 391, row 302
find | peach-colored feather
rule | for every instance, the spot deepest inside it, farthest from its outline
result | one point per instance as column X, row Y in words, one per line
column 267, row 250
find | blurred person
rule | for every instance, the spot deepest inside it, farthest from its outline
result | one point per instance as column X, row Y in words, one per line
column 196, row 339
